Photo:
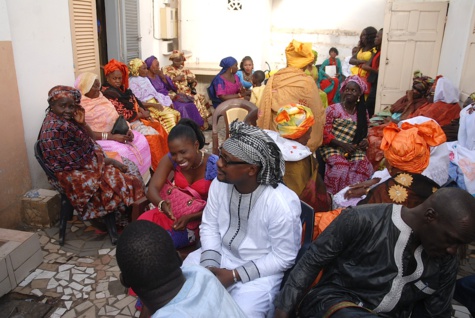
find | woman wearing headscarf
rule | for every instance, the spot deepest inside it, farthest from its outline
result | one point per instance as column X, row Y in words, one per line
column 331, row 84
column 96, row 186
column 344, row 138
column 101, row 116
column 164, row 85
column 159, row 105
column 292, row 85
column 226, row 85
column 445, row 106
column 116, row 89
column 185, row 82
column 407, row 152
column 294, row 126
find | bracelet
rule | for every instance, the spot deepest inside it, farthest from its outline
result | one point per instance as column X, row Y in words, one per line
column 105, row 136
column 159, row 206
column 234, row 277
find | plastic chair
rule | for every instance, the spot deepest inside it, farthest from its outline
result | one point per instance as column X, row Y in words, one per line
column 307, row 217
column 231, row 109
column 66, row 213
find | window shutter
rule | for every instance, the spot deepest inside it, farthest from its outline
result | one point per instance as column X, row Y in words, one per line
column 84, row 36
column 132, row 36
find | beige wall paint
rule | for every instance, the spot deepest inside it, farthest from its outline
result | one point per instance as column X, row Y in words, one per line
column 14, row 172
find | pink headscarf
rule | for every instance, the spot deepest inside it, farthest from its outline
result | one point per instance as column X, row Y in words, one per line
column 354, row 78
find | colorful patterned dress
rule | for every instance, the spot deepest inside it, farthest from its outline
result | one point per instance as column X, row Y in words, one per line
column 341, row 171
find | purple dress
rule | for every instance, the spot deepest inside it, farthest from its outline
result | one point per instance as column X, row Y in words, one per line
column 186, row 109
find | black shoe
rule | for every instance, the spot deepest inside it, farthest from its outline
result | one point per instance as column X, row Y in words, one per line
column 109, row 220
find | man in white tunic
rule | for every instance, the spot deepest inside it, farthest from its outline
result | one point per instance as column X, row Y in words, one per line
column 251, row 229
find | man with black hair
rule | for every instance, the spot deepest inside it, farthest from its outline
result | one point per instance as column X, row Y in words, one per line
column 150, row 265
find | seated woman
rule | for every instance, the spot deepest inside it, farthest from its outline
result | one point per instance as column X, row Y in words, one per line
column 407, row 151
column 289, row 85
column 344, row 138
column 185, row 82
column 95, row 185
column 165, row 86
column 116, row 89
column 312, row 71
column 159, row 105
column 414, row 98
column 331, row 84
column 226, row 85
column 294, row 125
column 101, row 116
column 445, row 106
column 366, row 50
column 193, row 168
column 246, row 69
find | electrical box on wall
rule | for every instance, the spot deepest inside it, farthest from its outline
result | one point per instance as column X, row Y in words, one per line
column 168, row 23
column 166, row 47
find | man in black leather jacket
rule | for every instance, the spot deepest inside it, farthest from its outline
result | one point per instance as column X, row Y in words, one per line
column 382, row 260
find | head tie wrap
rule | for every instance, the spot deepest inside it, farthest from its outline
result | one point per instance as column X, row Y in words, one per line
column 85, row 81
column 445, row 91
column 115, row 65
column 176, row 54
column 61, row 91
column 294, row 120
column 254, row 146
column 149, row 61
column 357, row 80
column 407, row 148
column 134, row 66
column 299, row 54
column 226, row 63
column 315, row 54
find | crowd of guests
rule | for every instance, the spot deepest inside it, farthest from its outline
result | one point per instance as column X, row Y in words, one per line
column 312, row 142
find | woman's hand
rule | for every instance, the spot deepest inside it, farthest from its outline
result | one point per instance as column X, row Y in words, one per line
column 167, row 209
column 347, row 147
column 129, row 137
column 123, row 168
column 364, row 144
column 80, row 115
column 225, row 276
column 356, row 192
column 179, row 78
column 181, row 223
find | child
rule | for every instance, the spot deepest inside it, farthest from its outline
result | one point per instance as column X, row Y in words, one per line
column 257, row 87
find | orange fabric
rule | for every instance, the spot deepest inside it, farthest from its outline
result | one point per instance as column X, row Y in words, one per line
column 114, row 65
column 158, row 143
column 407, row 148
column 441, row 112
column 299, row 54
column 294, row 120
column 322, row 220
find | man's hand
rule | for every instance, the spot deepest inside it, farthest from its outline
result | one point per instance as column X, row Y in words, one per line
column 225, row 276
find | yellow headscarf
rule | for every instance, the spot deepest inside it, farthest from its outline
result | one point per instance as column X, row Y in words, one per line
column 85, row 81
column 299, row 54
column 134, row 66
column 176, row 54
column 294, row 120
column 407, row 148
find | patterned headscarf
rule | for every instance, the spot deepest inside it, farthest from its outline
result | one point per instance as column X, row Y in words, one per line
column 150, row 60
column 254, row 146
column 315, row 54
column 176, row 54
column 85, row 81
column 115, row 65
column 294, row 120
column 134, row 66
column 60, row 91
column 407, row 148
column 299, row 54
column 357, row 80
column 422, row 84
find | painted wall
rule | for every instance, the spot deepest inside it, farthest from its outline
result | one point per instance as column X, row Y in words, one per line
column 43, row 58
column 457, row 30
column 14, row 172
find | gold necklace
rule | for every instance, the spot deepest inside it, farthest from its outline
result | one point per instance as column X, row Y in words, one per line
column 201, row 161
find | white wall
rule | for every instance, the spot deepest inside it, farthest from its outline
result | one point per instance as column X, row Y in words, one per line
column 454, row 45
column 41, row 39
column 213, row 32
column 4, row 22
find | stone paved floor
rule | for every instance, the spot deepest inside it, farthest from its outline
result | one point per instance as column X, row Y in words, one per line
column 81, row 278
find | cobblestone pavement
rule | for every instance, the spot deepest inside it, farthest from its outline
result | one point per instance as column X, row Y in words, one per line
column 81, row 278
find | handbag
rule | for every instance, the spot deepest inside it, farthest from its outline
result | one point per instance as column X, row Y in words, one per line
column 121, row 127
column 183, row 202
